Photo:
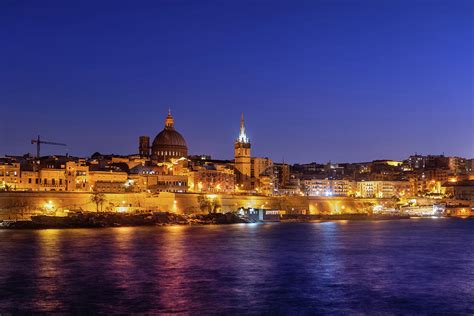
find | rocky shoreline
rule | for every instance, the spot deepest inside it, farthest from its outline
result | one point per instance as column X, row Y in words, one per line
column 108, row 219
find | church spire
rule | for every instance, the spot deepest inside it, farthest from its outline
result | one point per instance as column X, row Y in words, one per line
column 242, row 136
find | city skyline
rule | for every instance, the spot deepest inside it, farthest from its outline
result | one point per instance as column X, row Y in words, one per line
column 65, row 150
column 245, row 157
column 316, row 83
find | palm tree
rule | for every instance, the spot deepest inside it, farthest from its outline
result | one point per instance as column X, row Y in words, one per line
column 98, row 199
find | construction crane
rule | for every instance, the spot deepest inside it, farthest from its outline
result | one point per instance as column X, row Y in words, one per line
column 38, row 143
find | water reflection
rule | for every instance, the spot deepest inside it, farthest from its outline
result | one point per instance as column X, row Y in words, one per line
column 402, row 267
column 172, row 266
column 49, row 272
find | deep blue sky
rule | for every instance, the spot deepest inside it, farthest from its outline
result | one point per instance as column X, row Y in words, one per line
column 317, row 80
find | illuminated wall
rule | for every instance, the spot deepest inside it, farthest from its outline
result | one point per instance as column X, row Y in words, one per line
column 15, row 205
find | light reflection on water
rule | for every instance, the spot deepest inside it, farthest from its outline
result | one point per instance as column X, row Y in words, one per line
column 49, row 275
column 394, row 267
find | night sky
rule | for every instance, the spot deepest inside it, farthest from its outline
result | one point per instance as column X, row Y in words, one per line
column 316, row 80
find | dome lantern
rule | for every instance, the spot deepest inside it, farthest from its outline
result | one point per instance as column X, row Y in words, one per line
column 169, row 121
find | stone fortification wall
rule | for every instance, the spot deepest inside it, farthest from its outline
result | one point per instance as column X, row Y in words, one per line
column 21, row 205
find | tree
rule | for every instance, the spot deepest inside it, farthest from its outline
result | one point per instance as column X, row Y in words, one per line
column 5, row 187
column 206, row 204
column 98, row 199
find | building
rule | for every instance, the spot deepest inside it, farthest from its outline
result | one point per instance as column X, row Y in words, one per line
column 29, row 181
column 328, row 187
column 428, row 181
column 458, row 165
column 77, row 176
column 155, row 182
column 212, row 178
column 144, row 146
column 470, row 166
column 242, row 159
column 289, row 190
column 415, row 162
column 312, row 168
column 9, row 175
column 461, row 190
column 52, row 179
column 262, row 175
column 55, row 173
column 281, row 176
column 168, row 144
column 108, row 181
column 383, row 189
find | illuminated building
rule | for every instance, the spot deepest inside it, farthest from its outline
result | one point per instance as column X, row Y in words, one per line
column 383, row 189
column 460, row 210
column 428, row 181
column 156, row 183
column 262, row 175
column 29, row 181
column 455, row 165
column 167, row 183
column 52, row 179
column 461, row 190
column 9, row 175
column 108, row 181
column 77, row 176
column 212, row 179
column 242, row 159
column 266, row 185
column 416, row 162
column 168, row 144
column 289, row 190
column 328, row 187
column 200, row 157
column 48, row 174
column 281, row 174
column 458, row 165
column 171, row 183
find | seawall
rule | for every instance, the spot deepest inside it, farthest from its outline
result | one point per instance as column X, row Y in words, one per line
column 21, row 205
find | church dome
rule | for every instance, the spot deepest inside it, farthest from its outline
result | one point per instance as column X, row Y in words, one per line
column 169, row 143
column 169, row 137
